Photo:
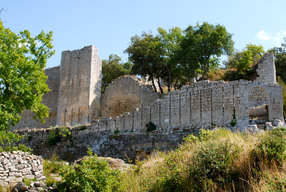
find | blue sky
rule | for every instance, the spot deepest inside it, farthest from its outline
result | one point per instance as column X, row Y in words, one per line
column 110, row 24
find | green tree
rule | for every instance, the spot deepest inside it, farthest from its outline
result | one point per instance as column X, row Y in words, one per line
column 201, row 44
column 280, row 60
column 145, row 53
column 169, row 41
column 256, row 52
column 244, row 62
column 22, row 77
column 112, row 69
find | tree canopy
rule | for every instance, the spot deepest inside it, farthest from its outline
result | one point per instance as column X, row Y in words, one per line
column 112, row 69
column 145, row 52
column 202, row 45
column 176, row 56
column 280, row 60
column 22, row 77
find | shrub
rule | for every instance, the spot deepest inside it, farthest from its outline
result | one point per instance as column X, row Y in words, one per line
column 54, row 137
column 204, row 135
column 214, row 159
column 57, row 135
column 51, row 167
column 8, row 139
column 150, row 127
column 20, row 147
column 66, row 134
column 116, row 131
column 90, row 175
column 271, row 147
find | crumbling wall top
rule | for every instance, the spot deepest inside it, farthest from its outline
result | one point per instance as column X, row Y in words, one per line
column 266, row 69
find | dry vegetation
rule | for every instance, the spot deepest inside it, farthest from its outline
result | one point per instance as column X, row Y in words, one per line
column 215, row 160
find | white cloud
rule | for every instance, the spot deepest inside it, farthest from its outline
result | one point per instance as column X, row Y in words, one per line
column 261, row 35
column 268, row 36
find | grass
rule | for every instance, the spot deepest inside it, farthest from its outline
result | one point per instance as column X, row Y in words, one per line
column 52, row 166
column 184, row 169
column 215, row 160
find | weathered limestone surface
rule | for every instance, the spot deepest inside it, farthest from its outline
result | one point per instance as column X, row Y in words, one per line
column 124, row 94
column 128, row 105
column 80, row 87
column 50, row 100
column 266, row 69
column 125, row 144
column 18, row 165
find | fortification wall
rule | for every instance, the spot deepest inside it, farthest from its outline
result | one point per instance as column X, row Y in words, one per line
column 50, row 100
column 121, row 145
column 205, row 102
column 124, row 94
column 79, row 92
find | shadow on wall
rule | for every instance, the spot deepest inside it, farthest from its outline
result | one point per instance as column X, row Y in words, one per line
column 123, row 95
column 258, row 99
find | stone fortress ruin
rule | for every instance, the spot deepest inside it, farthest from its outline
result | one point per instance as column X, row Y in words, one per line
column 128, row 103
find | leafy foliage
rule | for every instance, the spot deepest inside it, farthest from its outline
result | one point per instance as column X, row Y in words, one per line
column 22, row 78
column 57, row 135
column 214, row 159
column 177, row 56
column 146, row 54
column 272, row 147
column 150, row 127
column 52, row 166
column 8, row 140
column 202, row 44
column 244, row 62
column 280, row 60
column 112, row 69
column 90, row 175
column 20, row 147
column 283, row 85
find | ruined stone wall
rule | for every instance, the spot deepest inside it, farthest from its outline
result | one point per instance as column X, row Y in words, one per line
column 124, row 94
column 257, row 97
column 122, row 145
column 205, row 102
column 79, row 92
column 266, row 69
column 18, row 165
column 50, row 100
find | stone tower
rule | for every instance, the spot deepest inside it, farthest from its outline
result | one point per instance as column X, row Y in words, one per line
column 80, row 86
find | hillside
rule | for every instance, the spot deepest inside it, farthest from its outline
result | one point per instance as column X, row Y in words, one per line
column 215, row 160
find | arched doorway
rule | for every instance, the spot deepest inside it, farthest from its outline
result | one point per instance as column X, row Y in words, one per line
column 258, row 101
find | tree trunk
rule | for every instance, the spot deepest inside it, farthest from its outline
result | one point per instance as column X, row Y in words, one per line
column 206, row 70
column 160, row 87
column 169, row 82
column 153, row 84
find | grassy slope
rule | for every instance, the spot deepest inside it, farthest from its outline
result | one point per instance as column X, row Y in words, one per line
column 217, row 160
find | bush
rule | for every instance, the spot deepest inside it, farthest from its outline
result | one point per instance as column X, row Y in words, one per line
column 150, row 127
column 54, row 137
column 57, row 135
column 20, row 147
column 271, row 148
column 214, row 159
column 8, row 139
column 90, row 175
column 52, row 166
column 204, row 135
